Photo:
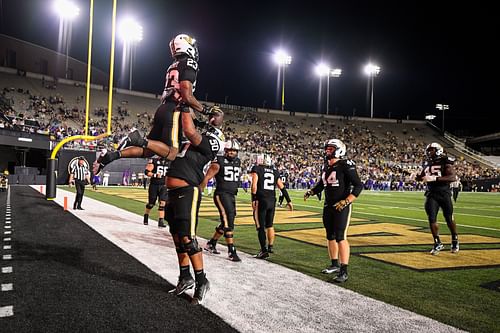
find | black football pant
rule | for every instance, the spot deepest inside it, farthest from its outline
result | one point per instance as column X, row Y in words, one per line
column 80, row 189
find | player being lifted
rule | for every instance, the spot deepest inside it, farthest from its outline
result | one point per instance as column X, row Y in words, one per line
column 265, row 180
column 337, row 178
column 227, row 171
column 438, row 172
column 173, row 114
column 156, row 169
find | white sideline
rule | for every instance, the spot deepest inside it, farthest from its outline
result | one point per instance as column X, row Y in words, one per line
column 253, row 295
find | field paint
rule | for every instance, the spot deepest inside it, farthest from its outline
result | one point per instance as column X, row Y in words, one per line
column 6, row 311
column 7, row 269
column 7, row 286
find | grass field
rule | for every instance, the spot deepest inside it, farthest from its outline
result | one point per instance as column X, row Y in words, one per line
column 390, row 241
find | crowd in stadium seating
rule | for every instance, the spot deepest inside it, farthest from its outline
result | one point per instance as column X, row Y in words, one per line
column 387, row 158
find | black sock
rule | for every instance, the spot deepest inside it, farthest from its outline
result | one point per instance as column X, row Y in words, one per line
column 343, row 268
column 200, row 276
column 437, row 239
column 110, row 157
column 144, row 143
column 335, row 262
column 230, row 248
column 184, row 271
column 269, row 248
column 146, row 217
column 262, row 239
column 213, row 241
column 454, row 237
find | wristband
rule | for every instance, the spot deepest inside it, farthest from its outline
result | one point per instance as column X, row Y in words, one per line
column 254, row 197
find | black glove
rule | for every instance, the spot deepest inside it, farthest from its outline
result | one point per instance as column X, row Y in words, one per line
column 307, row 194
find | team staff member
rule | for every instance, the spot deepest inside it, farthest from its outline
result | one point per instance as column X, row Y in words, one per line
column 227, row 171
column 183, row 181
column 157, row 170
column 79, row 176
column 265, row 179
column 337, row 178
column 438, row 172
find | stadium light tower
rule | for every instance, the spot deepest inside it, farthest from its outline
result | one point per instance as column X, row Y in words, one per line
column 282, row 59
column 442, row 107
column 372, row 71
column 67, row 12
column 130, row 32
column 325, row 70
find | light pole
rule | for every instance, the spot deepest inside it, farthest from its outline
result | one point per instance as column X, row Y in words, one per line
column 67, row 11
column 372, row 71
column 282, row 59
column 442, row 107
column 131, row 33
column 323, row 70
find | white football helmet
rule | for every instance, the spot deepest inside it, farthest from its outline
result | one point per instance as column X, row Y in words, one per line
column 268, row 160
column 263, row 159
column 435, row 145
column 340, row 148
column 232, row 144
column 184, row 44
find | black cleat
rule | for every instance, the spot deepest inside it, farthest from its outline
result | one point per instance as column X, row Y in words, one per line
column 331, row 269
column 200, row 292
column 233, row 256
column 211, row 248
column 161, row 224
column 341, row 278
column 133, row 139
column 270, row 249
column 146, row 220
column 182, row 285
column 80, row 208
column 262, row 255
column 436, row 248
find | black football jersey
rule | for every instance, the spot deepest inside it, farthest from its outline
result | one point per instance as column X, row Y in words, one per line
column 160, row 168
column 189, row 163
column 338, row 181
column 436, row 167
column 184, row 69
column 284, row 177
column 228, row 177
column 267, row 182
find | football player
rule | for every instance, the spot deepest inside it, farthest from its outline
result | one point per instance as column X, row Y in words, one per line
column 438, row 172
column 183, row 181
column 156, row 169
column 284, row 180
column 173, row 114
column 265, row 180
column 338, row 176
column 227, row 171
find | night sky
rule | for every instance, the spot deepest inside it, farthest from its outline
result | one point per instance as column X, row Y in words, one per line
column 428, row 53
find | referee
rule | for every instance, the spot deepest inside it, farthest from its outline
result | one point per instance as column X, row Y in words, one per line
column 79, row 176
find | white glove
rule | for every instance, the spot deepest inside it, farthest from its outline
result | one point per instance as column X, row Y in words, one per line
column 428, row 179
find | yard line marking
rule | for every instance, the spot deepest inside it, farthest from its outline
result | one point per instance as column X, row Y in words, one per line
column 7, row 257
column 7, row 232
column 7, row 269
column 7, row 226
column 6, row 239
column 7, row 286
column 6, row 311
column 6, row 247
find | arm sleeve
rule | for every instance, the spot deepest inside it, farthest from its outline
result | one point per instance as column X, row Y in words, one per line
column 352, row 173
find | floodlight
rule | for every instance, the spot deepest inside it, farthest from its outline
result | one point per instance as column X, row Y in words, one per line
column 130, row 31
column 66, row 9
column 282, row 58
column 372, row 70
column 322, row 69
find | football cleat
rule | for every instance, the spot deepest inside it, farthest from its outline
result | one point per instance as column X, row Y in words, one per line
column 341, row 278
column 233, row 256
column 330, row 269
column 270, row 249
column 183, row 284
column 133, row 139
column 146, row 218
column 455, row 246
column 200, row 292
column 437, row 248
column 211, row 248
column 161, row 224
column 262, row 255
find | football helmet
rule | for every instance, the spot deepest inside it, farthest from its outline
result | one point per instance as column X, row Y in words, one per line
column 340, row 148
column 232, row 144
column 438, row 148
column 184, row 44
column 263, row 159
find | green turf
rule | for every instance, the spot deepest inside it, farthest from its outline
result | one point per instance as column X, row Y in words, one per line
column 452, row 296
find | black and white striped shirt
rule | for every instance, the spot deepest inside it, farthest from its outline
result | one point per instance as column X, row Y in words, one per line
column 80, row 172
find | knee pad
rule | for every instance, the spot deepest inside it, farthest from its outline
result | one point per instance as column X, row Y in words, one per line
column 180, row 249
column 192, row 247
column 219, row 230
column 149, row 206
column 228, row 234
column 161, row 208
